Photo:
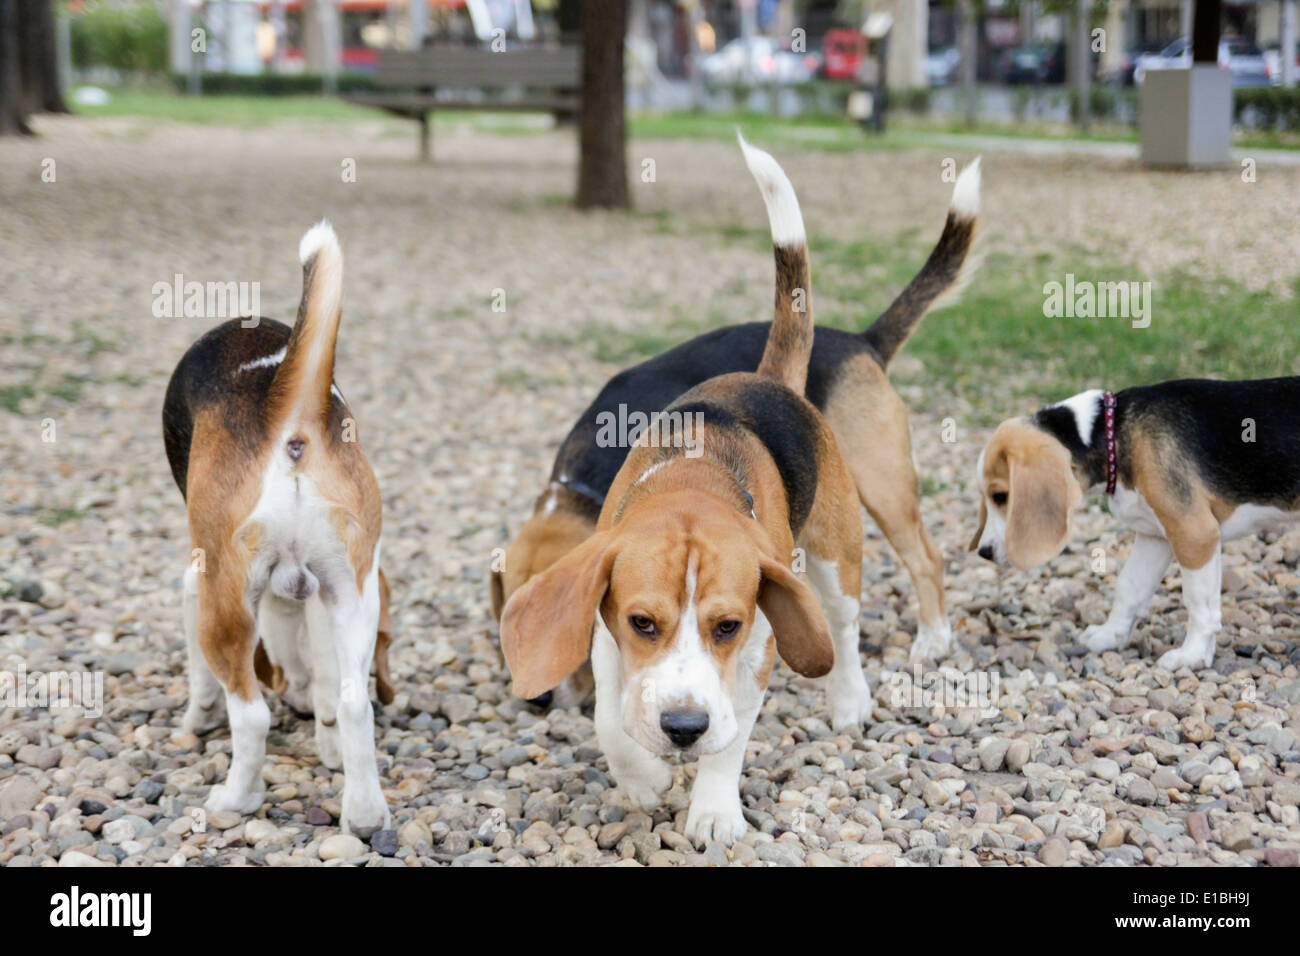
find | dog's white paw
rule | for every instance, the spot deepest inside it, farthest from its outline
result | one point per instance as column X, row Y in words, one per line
column 1189, row 655
column 850, row 705
column 646, row 787
column 364, row 810
column 328, row 749
column 931, row 643
column 1103, row 637
column 715, row 815
column 222, row 798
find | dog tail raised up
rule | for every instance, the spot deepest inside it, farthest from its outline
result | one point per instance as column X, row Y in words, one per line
column 944, row 275
column 789, row 343
column 300, row 391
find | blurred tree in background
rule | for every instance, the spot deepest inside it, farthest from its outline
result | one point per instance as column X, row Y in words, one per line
column 602, row 166
column 29, row 71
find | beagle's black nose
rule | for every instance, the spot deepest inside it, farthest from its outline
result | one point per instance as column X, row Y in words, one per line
column 542, row 701
column 684, row 727
column 986, row 552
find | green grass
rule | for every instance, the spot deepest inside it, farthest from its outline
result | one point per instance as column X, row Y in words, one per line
column 996, row 340
column 244, row 111
column 997, row 336
column 165, row 105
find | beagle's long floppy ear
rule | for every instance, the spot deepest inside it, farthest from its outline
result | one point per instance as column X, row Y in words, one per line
column 979, row 532
column 1043, row 492
column 546, row 624
column 803, row 637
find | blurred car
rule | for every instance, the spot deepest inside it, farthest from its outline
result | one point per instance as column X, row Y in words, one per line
column 842, row 53
column 759, row 60
column 941, row 65
column 1032, row 63
column 1243, row 58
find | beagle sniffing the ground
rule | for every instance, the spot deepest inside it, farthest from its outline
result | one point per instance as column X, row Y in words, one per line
column 688, row 577
column 1186, row 465
column 847, row 382
column 285, row 516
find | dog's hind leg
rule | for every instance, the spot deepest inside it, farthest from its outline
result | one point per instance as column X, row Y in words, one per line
column 281, row 626
column 343, row 642
column 204, row 711
column 227, row 638
column 870, row 424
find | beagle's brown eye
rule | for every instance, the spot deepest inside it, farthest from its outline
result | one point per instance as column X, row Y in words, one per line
column 726, row 630
column 999, row 498
column 642, row 625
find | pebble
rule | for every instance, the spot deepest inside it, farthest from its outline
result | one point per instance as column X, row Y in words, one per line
column 341, row 846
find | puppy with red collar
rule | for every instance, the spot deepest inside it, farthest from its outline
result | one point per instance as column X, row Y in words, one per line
column 285, row 518
column 1186, row 465
column 688, row 577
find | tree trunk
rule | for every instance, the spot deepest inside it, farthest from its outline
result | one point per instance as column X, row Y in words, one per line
column 322, row 39
column 38, row 57
column 602, row 167
column 1080, row 63
column 968, row 45
column 13, row 109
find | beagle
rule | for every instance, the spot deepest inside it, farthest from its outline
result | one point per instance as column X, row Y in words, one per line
column 285, row 520
column 688, row 578
column 1185, row 464
column 847, row 382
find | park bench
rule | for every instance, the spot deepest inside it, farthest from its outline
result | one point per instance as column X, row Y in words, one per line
column 415, row 83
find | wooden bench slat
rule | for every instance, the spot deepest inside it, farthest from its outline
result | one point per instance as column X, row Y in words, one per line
column 414, row 83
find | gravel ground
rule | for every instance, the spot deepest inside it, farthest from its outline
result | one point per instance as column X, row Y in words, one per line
column 1085, row 759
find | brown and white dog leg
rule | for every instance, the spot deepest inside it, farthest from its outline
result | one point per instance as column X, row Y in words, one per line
column 227, row 639
column 872, row 430
column 207, row 700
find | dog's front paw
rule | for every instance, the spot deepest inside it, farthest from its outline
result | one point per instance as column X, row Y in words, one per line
column 222, row 798
column 364, row 811
column 1189, row 655
column 850, row 709
column 715, row 815
column 646, row 787
column 931, row 643
column 1103, row 637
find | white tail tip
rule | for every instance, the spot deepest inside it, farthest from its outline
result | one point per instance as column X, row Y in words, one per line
column 778, row 195
column 318, row 237
column 966, row 193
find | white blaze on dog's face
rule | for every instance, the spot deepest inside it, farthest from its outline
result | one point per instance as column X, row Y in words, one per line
column 1027, row 488
column 682, row 607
